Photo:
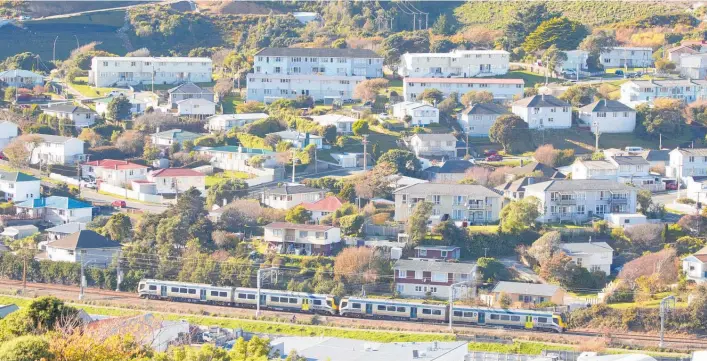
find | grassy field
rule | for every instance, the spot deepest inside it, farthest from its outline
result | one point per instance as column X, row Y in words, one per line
column 483, row 229
column 215, row 178
column 230, row 102
column 525, row 348
column 530, row 78
column 582, row 141
column 80, row 84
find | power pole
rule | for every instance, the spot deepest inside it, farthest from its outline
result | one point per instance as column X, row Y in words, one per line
column 596, row 136
column 660, row 141
column 24, row 275
column 315, row 160
column 82, row 280
column 666, row 305
column 118, row 275
column 294, row 162
column 365, row 142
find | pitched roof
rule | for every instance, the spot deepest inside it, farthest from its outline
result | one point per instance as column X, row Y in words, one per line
column 585, row 248
column 319, row 52
column 189, row 88
column 526, row 288
column 82, row 240
column 333, row 119
column 295, row 135
column 234, row 149
column 597, row 164
column 699, row 257
column 328, row 204
column 195, row 101
column 304, row 227
column 16, row 177
column 665, row 83
column 47, row 138
column 448, row 189
column 241, row 116
column 439, row 137
column 541, row 101
column 464, row 80
column 520, row 184
column 607, row 106
column 692, row 151
column 484, row 109
column 546, row 170
column 688, row 48
column 657, row 155
column 579, row 185
column 629, row 160
column 114, row 164
column 430, row 266
column 177, row 172
column 67, row 228
column 20, row 72
column 68, row 108
column 455, row 166
column 177, row 134
column 54, row 202
column 293, row 189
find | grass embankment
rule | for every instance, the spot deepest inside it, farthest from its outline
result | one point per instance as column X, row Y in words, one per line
column 230, row 174
column 230, row 102
column 80, row 84
column 518, row 347
column 529, row 77
column 582, row 141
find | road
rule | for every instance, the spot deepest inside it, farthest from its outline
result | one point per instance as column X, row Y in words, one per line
column 93, row 196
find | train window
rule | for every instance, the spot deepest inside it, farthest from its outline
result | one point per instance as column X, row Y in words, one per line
column 542, row 319
column 222, row 294
column 153, row 288
column 458, row 313
column 468, row 314
column 242, row 295
column 214, row 293
column 437, row 312
column 494, row 317
column 175, row 289
column 182, row 290
column 192, row 291
column 505, row 317
column 381, row 307
column 274, row 299
column 515, row 318
column 356, row 305
column 251, row 297
column 391, row 308
column 140, row 287
column 401, row 309
column 317, row 302
column 293, row 300
column 426, row 311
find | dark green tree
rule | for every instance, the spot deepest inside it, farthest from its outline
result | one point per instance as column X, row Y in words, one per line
column 579, row 95
column 442, row 26
column 512, row 132
column 405, row 162
column 431, row 95
column 442, row 46
column 226, row 191
column 416, row 226
column 118, row 108
column 561, row 32
column 360, row 127
column 299, row 215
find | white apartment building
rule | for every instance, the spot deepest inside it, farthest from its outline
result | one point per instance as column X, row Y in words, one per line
column 576, row 61
column 636, row 92
column 457, row 63
column 472, row 203
column 477, row 119
column 422, row 278
column 434, row 145
column 627, row 57
column 594, row 256
column 288, row 196
column 304, row 239
column 693, row 66
column 321, row 73
column 421, row 114
column 579, row 200
column 122, row 71
column 56, row 149
column 544, row 112
column 502, row 89
column 608, row 116
column 687, row 162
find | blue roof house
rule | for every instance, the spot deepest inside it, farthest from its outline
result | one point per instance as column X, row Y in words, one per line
column 56, row 210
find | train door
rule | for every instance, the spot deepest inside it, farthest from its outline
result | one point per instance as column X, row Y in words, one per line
column 482, row 318
column 202, row 294
column 369, row 309
column 262, row 300
column 163, row 291
column 528, row 322
column 305, row 304
column 413, row 312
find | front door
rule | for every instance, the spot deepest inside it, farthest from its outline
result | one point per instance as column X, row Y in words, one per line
column 202, row 295
column 305, row 304
column 163, row 291
column 482, row 318
column 413, row 312
column 369, row 309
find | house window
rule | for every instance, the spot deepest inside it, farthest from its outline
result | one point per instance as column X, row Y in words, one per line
column 579, row 262
column 601, row 114
column 418, row 288
column 436, row 199
column 423, row 253
column 277, row 232
column 402, row 273
column 691, row 159
column 536, row 110
column 303, row 234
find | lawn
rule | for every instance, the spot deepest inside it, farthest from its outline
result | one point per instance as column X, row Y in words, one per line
column 483, row 229
column 170, row 86
column 530, row 78
column 230, row 102
column 582, row 141
column 518, row 347
column 505, row 163
column 215, row 178
column 80, row 84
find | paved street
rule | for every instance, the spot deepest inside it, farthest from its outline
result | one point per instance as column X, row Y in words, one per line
column 93, row 196
column 666, row 198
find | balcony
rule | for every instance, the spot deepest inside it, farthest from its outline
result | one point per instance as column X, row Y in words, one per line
column 613, row 200
column 476, row 205
column 560, row 201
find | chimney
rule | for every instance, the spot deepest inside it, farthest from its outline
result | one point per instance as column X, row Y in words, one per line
column 590, row 239
column 542, row 96
column 157, row 130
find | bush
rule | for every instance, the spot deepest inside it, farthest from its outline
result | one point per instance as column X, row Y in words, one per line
column 686, row 200
column 106, row 152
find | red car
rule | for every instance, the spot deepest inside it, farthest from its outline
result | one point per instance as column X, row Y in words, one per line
column 494, row 158
column 119, row 204
column 489, row 152
column 672, row 186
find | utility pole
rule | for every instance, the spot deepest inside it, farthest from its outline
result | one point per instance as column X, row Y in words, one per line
column 294, row 162
column 660, row 141
column 365, row 142
column 24, row 275
column 257, row 303
column 54, row 50
column 83, row 278
column 666, row 305
column 451, row 301
column 119, row 274
column 596, row 136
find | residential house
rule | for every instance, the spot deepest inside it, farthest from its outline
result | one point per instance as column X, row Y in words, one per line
column 122, row 71
column 230, row 157
column 114, row 172
column 137, row 105
column 438, row 253
column 418, row 278
column 325, row 74
column 444, row 145
column 608, row 116
column 576, row 61
column 635, row 170
column 471, row 203
column 696, row 188
column 675, row 53
column 349, row 160
column 687, row 162
column 226, row 122
column 628, row 57
column 8, row 132
column 456, row 63
column 420, row 114
column 533, row 168
column 188, row 91
column 528, row 293
column 634, row 92
column 55, row 149
column 196, row 107
column 544, row 112
column 502, row 89
column 477, row 119
column 695, row 266
column 64, row 230
column 300, row 140
column 452, row 170
column 594, row 256
column 515, row 189
column 19, row 232
column 657, row 158
column 56, row 210
column 84, row 246
column 289, row 196
column 177, row 180
column 166, row 138
column 80, row 116
column 343, row 123
column 305, row 239
column 693, row 66
column 398, row 181
column 579, row 200
column 625, row 220
column 18, row 186
column 323, row 207
column 593, row 169
column 19, row 78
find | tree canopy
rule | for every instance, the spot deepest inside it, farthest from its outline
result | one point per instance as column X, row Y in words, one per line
column 565, row 34
column 511, row 131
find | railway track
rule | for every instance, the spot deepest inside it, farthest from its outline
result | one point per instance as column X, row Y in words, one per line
column 128, row 298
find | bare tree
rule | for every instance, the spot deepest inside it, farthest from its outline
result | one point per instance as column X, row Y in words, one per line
column 131, row 142
column 545, row 154
column 645, row 236
column 663, row 264
column 368, row 89
column 19, row 152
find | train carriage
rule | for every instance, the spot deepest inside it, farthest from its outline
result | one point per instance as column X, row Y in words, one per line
column 514, row 318
column 297, row 301
column 376, row 308
column 190, row 292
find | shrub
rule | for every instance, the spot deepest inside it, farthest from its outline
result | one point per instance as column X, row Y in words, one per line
column 686, row 200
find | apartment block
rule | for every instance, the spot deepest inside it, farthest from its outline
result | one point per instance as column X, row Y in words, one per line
column 123, row 71
column 636, row 92
column 475, row 204
column 627, row 57
column 502, row 89
column 687, row 162
column 457, row 63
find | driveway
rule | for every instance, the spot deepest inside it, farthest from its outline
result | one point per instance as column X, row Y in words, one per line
column 93, row 196
column 524, row 272
column 667, row 197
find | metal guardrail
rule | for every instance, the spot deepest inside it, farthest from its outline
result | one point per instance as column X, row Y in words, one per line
column 492, row 356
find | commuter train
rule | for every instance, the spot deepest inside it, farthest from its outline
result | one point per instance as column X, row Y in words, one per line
column 351, row 306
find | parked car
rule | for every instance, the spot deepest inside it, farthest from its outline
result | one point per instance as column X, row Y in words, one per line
column 119, row 204
column 619, row 72
column 494, row 158
column 489, row 152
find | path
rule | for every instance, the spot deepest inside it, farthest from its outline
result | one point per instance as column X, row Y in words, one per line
column 524, row 272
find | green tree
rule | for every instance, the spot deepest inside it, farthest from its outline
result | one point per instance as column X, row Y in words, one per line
column 150, row 153
column 599, row 42
column 226, row 191
column 492, row 270
column 351, row 224
column 442, row 46
column 299, row 215
column 553, row 58
column 544, row 247
column 405, row 162
column 523, row 21
column 519, row 215
column 451, row 234
column 561, row 32
column 26, row 348
column 118, row 108
column 416, row 227
column 688, row 245
column 664, row 117
column 511, row 131
column 118, row 228
column 644, row 200
column 442, row 26
column 10, row 94
column 579, row 95
column 448, row 105
column 339, row 44
column 360, row 127
column 431, row 95
column 476, row 97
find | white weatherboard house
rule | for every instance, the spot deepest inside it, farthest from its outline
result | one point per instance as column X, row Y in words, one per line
column 695, row 266
column 434, row 145
column 114, row 172
column 19, row 78
column 56, row 210
column 18, row 186
column 305, row 239
column 321, row 73
column 84, row 246
column 636, row 92
column 693, row 66
column 300, row 140
column 177, row 180
column 226, row 122
column 289, row 196
column 502, row 89
column 342, row 123
column 687, row 162
column 594, row 256
column 230, row 157
column 627, row 57
column 55, row 149
column 80, row 116
column 137, row 105
column 628, row 169
column 576, row 61
column 418, row 278
column 457, row 63
column 460, row 202
column 166, row 138
column 188, row 91
column 608, row 116
column 196, row 107
column 121, row 71
column 544, row 112
column 8, row 132
column 421, row 114
column 477, row 119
